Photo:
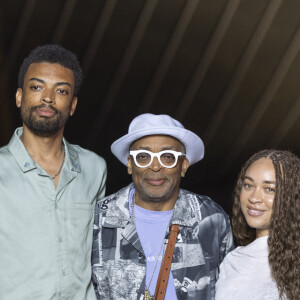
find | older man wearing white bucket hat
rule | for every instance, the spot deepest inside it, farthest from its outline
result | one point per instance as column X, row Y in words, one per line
column 153, row 240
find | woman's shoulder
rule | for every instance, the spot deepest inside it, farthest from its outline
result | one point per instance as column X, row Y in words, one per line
column 254, row 252
column 259, row 247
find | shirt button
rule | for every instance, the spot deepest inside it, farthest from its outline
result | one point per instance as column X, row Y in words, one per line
column 140, row 254
column 64, row 273
column 60, row 238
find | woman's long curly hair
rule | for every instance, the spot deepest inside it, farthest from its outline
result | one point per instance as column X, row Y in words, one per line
column 284, row 231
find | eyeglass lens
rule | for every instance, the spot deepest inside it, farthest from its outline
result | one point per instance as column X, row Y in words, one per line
column 168, row 159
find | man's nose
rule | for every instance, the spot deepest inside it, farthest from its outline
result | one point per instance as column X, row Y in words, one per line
column 155, row 165
column 48, row 97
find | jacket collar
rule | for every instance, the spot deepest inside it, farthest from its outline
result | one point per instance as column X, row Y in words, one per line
column 184, row 213
column 118, row 214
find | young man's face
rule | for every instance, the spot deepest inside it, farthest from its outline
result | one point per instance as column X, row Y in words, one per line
column 46, row 100
column 155, row 183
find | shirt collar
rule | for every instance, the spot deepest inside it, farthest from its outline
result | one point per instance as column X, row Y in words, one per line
column 19, row 152
column 72, row 158
column 26, row 163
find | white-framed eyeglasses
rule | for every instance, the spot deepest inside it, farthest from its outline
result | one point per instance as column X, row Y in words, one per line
column 144, row 158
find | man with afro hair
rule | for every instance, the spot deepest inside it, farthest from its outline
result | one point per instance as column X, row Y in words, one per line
column 48, row 187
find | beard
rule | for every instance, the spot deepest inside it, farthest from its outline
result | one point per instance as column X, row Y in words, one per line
column 43, row 126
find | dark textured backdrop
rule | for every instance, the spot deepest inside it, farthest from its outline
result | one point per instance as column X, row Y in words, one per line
column 227, row 69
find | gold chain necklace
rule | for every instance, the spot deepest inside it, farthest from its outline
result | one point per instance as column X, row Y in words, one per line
column 61, row 164
column 147, row 295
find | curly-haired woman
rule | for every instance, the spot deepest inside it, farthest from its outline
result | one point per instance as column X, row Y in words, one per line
column 266, row 227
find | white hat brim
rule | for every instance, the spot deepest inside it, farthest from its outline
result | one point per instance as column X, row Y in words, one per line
column 194, row 146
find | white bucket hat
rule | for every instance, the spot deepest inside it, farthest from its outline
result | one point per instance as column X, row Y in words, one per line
column 150, row 124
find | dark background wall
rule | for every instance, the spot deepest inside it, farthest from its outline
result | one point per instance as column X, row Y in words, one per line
column 227, row 69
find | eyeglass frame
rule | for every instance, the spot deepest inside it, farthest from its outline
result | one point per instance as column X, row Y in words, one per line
column 134, row 153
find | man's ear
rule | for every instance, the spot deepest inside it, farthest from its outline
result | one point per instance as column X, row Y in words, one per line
column 73, row 105
column 185, row 165
column 19, row 94
column 129, row 166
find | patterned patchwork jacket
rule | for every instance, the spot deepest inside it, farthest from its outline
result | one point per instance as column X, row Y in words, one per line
column 119, row 262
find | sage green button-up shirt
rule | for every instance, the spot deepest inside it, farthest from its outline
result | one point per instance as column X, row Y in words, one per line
column 46, row 233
